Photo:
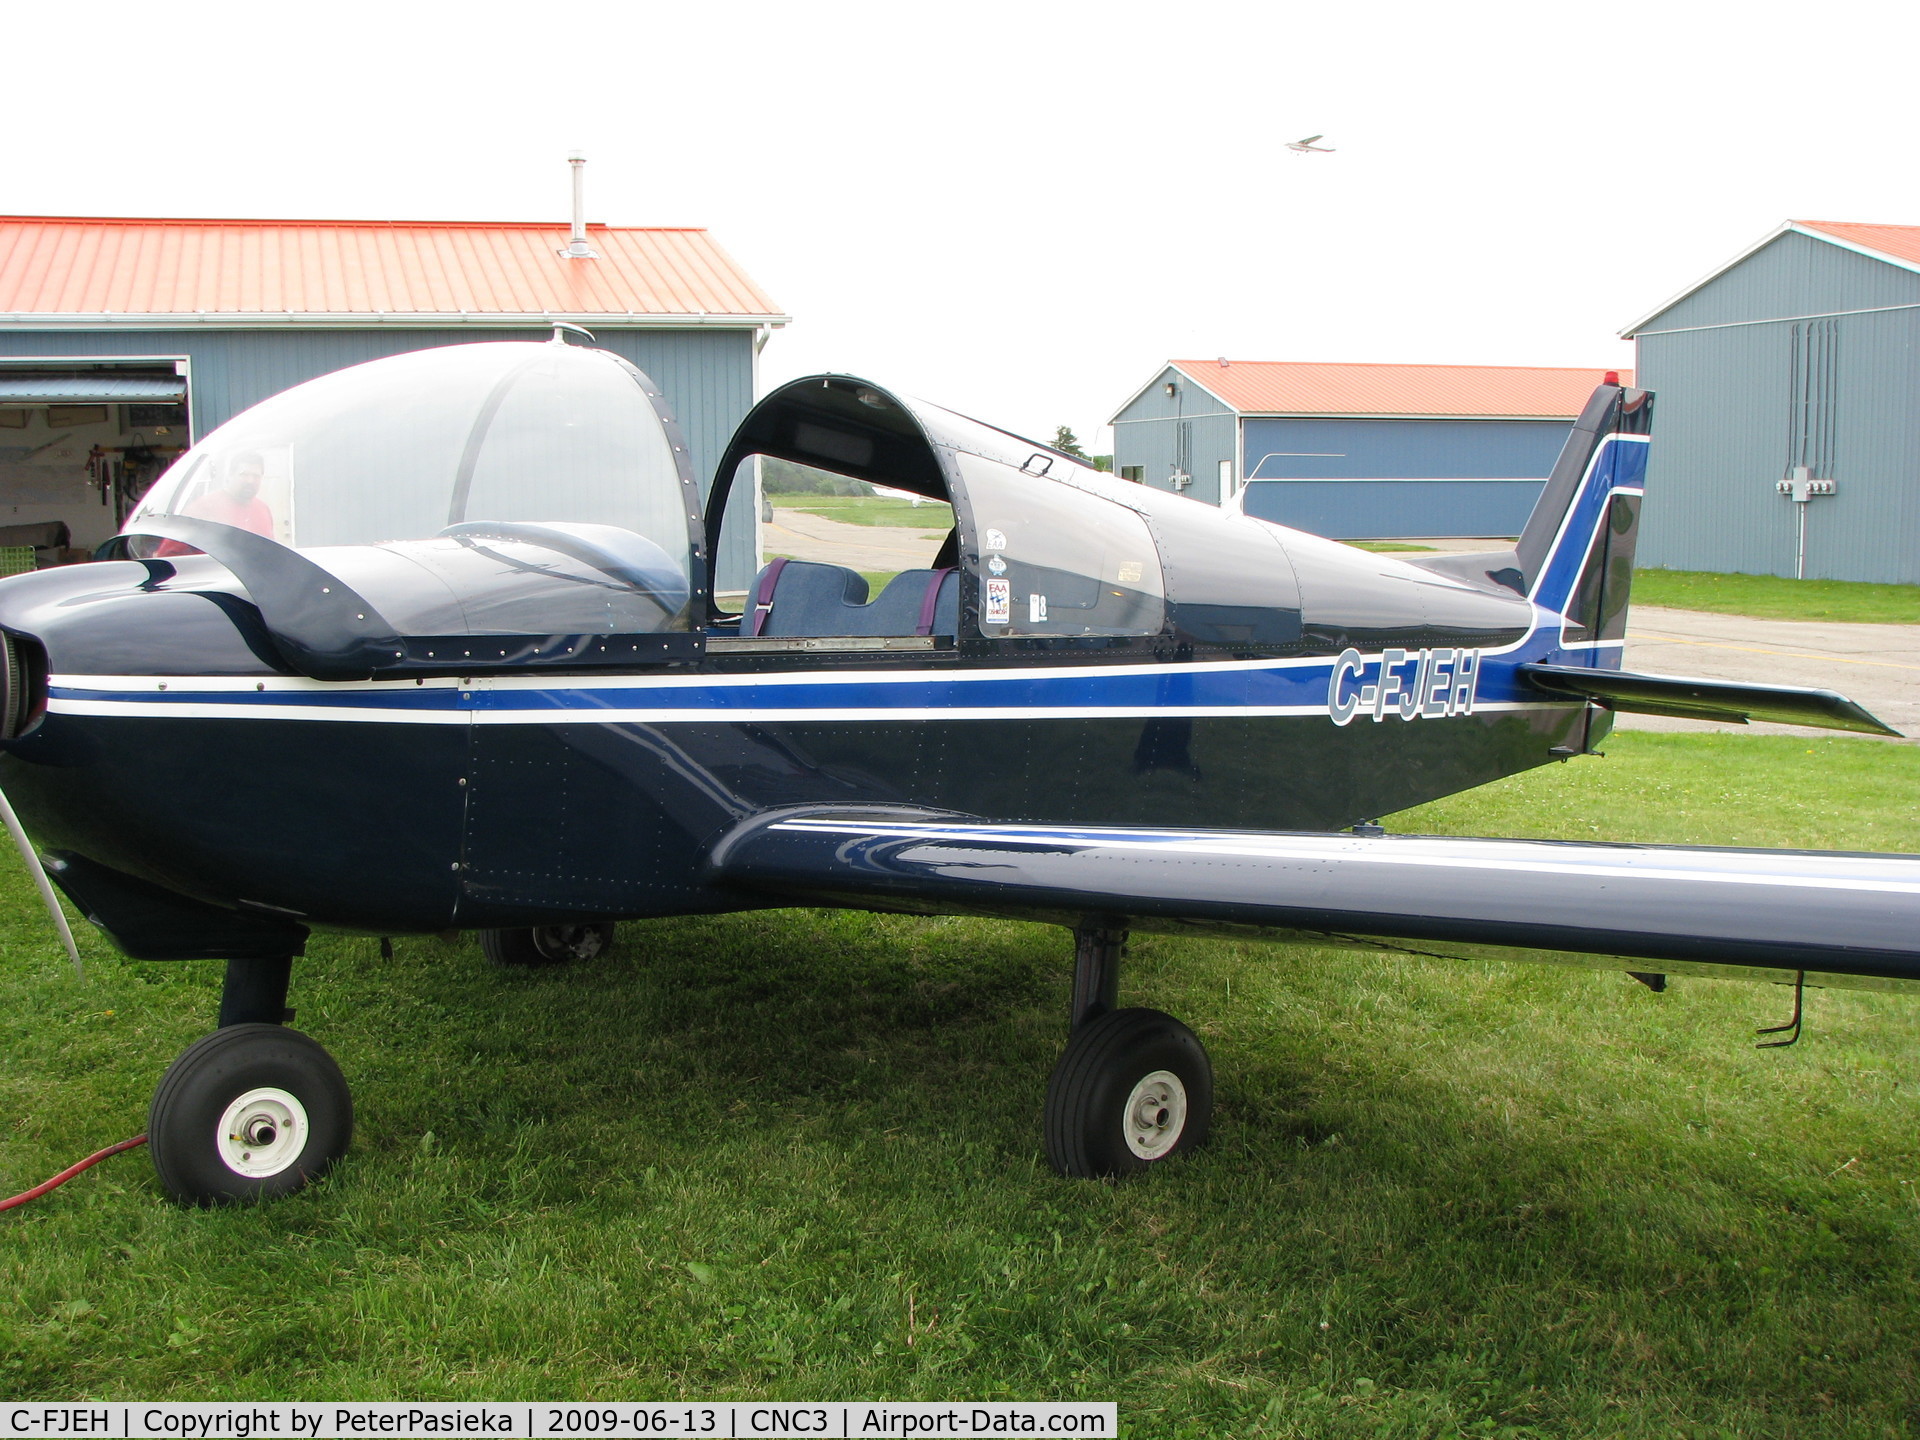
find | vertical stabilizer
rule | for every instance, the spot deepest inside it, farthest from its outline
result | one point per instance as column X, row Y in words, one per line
column 1576, row 554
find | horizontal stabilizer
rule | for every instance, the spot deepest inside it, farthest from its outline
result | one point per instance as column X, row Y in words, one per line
column 1844, row 914
column 1729, row 701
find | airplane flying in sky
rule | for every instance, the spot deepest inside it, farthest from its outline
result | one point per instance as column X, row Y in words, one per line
column 1307, row 147
column 439, row 642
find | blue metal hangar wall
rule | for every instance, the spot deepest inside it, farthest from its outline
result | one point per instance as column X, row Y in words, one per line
column 1354, row 451
column 1787, row 436
column 123, row 340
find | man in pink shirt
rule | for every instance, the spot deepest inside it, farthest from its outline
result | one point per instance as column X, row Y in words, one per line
column 234, row 501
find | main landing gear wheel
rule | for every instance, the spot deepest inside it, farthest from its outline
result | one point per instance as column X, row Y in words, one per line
column 250, row 1112
column 546, row 944
column 1133, row 1088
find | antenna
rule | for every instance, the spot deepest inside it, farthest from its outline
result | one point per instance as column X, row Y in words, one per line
column 577, row 247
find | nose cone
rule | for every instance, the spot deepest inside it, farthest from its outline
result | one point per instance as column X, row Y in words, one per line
column 193, row 796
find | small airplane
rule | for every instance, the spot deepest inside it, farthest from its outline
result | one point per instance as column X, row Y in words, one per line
column 435, row 643
column 1307, row 147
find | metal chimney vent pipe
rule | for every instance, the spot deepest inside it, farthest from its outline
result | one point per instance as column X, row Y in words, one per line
column 577, row 247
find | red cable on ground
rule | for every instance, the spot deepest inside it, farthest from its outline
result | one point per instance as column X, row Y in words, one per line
column 67, row 1174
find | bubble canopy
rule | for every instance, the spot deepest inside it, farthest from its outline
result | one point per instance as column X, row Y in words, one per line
column 509, row 442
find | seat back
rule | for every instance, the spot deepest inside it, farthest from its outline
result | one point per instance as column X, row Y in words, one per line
column 801, row 597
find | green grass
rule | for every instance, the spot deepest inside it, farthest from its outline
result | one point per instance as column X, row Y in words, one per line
column 870, row 510
column 796, row 1154
column 1386, row 547
column 1770, row 597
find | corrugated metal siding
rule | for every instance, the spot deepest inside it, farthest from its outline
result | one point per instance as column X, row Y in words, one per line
column 706, row 375
column 1722, row 440
column 1474, row 477
column 1148, row 434
column 1403, row 449
column 1794, row 275
column 1395, row 509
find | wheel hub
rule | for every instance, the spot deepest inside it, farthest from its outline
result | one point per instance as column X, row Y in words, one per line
column 262, row 1133
column 568, row 942
column 1156, row 1114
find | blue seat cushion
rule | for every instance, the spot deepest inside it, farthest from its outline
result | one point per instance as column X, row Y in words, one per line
column 814, row 599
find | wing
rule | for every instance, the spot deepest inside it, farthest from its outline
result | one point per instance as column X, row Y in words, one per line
column 1822, row 911
column 1310, row 139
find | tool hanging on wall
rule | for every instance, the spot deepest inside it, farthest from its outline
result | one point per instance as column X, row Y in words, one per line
column 140, row 465
column 123, row 473
column 102, row 469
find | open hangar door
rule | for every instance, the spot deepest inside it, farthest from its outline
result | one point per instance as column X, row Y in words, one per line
column 80, row 442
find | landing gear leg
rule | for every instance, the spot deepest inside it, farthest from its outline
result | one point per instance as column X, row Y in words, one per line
column 254, row 1110
column 1133, row 1087
column 1096, row 972
column 255, row 992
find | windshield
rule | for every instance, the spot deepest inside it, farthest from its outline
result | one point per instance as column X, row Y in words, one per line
column 471, row 436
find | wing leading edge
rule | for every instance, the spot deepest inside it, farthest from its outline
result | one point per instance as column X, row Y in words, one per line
column 1827, row 912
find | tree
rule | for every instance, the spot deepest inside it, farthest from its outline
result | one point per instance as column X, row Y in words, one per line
column 1065, row 439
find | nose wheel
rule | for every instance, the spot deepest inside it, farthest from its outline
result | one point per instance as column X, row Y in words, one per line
column 546, row 944
column 250, row 1112
column 1133, row 1087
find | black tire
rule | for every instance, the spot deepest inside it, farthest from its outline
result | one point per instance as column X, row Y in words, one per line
column 200, row 1131
column 546, row 944
column 1109, row 1068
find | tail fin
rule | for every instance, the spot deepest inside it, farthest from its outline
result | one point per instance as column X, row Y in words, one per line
column 1576, row 555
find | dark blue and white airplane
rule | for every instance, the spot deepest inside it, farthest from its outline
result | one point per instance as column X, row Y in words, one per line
column 434, row 643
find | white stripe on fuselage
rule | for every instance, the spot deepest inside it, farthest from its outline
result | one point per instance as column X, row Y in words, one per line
column 711, row 715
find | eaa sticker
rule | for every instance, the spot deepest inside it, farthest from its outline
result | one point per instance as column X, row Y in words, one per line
column 1036, row 608
column 999, row 604
column 995, row 540
column 1129, row 572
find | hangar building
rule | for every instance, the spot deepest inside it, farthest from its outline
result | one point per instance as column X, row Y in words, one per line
column 1787, row 439
column 1354, row 451
column 121, row 341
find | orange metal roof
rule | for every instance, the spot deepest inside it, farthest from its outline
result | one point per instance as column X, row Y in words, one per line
column 1294, row 387
column 339, row 271
column 1902, row 242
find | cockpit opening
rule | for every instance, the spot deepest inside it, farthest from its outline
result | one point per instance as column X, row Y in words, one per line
column 886, row 517
column 856, row 526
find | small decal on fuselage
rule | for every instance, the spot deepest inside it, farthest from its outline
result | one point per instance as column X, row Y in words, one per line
column 995, row 540
column 1412, row 684
column 999, row 605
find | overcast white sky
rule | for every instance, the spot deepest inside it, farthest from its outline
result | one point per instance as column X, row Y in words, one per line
column 1021, row 209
